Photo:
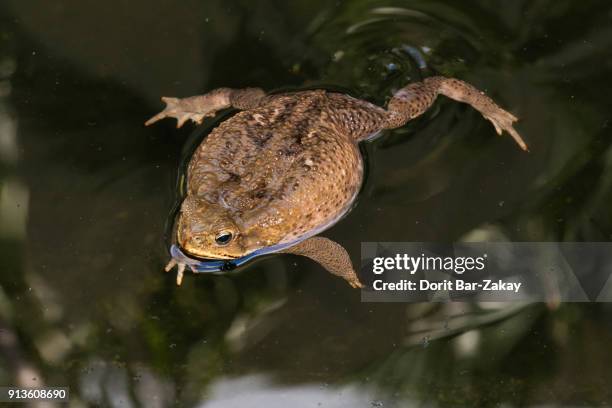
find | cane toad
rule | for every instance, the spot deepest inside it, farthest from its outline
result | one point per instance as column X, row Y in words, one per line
column 287, row 166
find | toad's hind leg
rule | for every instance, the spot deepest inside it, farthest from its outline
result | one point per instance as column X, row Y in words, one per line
column 330, row 255
column 414, row 99
column 196, row 108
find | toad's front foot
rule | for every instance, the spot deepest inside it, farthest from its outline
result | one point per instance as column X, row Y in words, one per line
column 355, row 283
column 330, row 255
column 180, row 270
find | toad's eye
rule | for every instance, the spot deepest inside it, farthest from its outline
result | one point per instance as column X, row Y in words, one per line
column 223, row 238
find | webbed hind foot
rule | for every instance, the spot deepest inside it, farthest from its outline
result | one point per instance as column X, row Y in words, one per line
column 502, row 120
column 414, row 99
column 196, row 108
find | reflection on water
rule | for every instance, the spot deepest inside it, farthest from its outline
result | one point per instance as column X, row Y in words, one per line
column 85, row 191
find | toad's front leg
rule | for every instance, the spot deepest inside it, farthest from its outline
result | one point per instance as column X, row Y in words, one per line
column 196, row 108
column 180, row 266
column 330, row 255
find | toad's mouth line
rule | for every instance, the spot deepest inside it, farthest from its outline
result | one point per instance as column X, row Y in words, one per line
column 221, row 257
column 198, row 265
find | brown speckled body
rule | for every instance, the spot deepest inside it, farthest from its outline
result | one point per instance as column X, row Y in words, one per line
column 288, row 166
column 285, row 169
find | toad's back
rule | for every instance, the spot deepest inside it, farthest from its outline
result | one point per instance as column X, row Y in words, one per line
column 282, row 168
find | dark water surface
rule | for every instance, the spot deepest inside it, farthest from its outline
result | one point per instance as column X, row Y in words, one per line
column 85, row 192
